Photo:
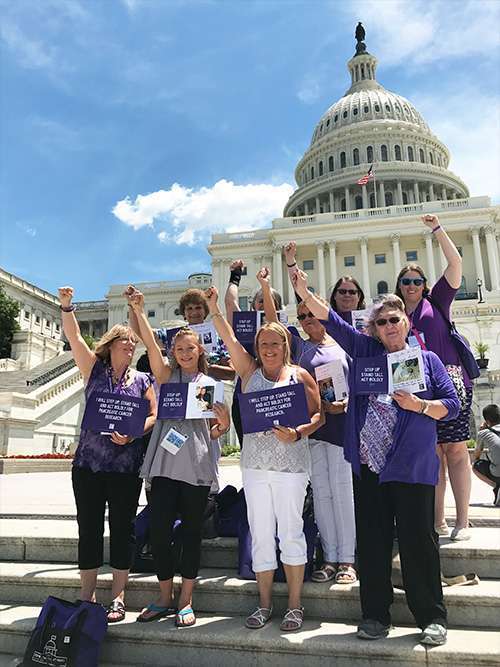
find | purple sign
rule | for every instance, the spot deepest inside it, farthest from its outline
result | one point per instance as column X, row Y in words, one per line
column 245, row 325
column 286, row 406
column 105, row 413
column 172, row 401
column 371, row 375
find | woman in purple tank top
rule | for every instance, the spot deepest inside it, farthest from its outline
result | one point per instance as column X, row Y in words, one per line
column 429, row 330
column 106, row 467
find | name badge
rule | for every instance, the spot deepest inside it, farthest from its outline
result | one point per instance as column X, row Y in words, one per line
column 173, row 441
column 413, row 340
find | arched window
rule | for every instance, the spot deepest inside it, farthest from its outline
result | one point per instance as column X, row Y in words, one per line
column 355, row 156
column 342, row 160
column 421, row 154
column 342, row 204
column 312, row 173
column 405, row 198
column 362, row 71
column 411, row 157
column 383, row 153
column 382, row 287
column 320, row 167
column 431, row 158
column 358, row 202
column 372, row 200
column 388, row 199
column 397, row 152
column 330, row 163
column 369, row 154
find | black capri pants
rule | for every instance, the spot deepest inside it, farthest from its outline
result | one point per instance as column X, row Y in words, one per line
column 169, row 499
column 92, row 490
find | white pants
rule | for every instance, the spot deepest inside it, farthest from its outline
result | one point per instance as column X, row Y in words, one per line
column 275, row 502
column 331, row 479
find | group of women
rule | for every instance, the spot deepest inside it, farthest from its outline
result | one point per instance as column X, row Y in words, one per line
column 374, row 461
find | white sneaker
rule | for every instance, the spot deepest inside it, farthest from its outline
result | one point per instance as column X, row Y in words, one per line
column 443, row 530
column 460, row 534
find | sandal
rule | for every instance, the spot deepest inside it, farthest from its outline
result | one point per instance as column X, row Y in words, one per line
column 179, row 617
column 155, row 612
column 116, row 611
column 346, row 574
column 259, row 618
column 292, row 620
column 324, row 573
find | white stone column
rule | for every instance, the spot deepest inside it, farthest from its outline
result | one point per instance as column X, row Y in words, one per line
column 443, row 193
column 332, row 202
column 215, row 273
column 416, row 192
column 442, row 260
column 347, row 196
column 429, row 251
column 381, row 195
column 364, row 266
column 432, row 196
column 321, row 268
column 478, row 260
column 306, row 208
column 332, row 246
column 399, row 193
column 277, row 275
column 365, row 196
column 396, row 253
column 318, row 206
column 491, row 248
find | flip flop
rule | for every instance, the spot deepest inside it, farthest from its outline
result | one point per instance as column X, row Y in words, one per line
column 470, row 579
column 159, row 612
column 179, row 618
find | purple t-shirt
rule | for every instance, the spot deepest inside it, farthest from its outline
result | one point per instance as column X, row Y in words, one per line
column 309, row 355
column 98, row 452
column 427, row 319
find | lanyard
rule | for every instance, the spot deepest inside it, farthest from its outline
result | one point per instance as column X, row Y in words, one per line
column 115, row 390
column 416, row 333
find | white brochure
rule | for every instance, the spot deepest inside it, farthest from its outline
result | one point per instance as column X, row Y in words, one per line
column 360, row 319
column 331, row 381
column 406, row 371
column 201, row 398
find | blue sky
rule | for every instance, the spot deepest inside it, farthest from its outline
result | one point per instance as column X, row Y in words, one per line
column 130, row 130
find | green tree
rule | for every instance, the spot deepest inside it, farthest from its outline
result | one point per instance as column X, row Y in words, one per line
column 89, row 340
column 9, row 311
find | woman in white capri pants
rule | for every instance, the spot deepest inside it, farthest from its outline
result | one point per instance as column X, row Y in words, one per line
column 275, row 467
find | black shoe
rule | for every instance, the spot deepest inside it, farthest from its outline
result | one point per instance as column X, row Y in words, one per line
column 370, row 629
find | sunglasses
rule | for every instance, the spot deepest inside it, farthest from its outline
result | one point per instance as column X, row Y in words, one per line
column 384, row 320
column 416, row 281
column 304, row 315
column 351, row 292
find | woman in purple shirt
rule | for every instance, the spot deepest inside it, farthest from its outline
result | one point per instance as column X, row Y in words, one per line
column 106, row 467
column 391, row 444
column 429, row 329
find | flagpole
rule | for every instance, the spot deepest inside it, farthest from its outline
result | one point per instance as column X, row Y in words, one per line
column 374, row 185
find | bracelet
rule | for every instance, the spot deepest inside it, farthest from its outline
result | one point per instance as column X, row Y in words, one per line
column 298, row 435
column 68, row 309
column 290, row 265
column 423, row 407
column 235, row 277
column 436, row 229
column 217, row 315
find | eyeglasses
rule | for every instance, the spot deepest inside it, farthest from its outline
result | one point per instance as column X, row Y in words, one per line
column 304, row 315
column 416, row 281
column 351, row 292
column 381, row 322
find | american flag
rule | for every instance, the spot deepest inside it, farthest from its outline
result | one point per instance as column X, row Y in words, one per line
column 367, row 177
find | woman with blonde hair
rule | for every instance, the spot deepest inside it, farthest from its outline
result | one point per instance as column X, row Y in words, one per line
column 106, row 468
column 275, row 467
column 180, row 482
column 390, row 442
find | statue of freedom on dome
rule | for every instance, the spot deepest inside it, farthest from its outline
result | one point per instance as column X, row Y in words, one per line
column 360, row 36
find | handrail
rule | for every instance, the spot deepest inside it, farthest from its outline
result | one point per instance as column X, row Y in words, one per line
column 51, row 375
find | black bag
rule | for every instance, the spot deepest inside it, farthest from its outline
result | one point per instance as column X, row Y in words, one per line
column 461, row 345
column 67, row 634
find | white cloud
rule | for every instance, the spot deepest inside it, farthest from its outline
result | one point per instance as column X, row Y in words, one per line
column 186, row 215
column 419, row 32
column 472, row 138
column 32, row 53
column 310, row 89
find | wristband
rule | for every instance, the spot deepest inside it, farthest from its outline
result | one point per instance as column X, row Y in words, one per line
column 68, row 309
column 235, row 277
column 291, row 265
column 423, row 407
column 436, row 229
column 298, row 435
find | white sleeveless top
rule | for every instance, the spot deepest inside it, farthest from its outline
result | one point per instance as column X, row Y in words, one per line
column 263, row 450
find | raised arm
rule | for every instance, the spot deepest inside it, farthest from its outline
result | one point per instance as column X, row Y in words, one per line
column 82, row 354
column 453, row 271
column 231, row 297
column 243, row 362
column 132, row 317
column 291, row 263
column 159, row 365
column 264, row 278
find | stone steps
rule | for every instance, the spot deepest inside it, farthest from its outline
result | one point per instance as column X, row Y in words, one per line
column 219, row 591
column 56, row 540
column 222, row 640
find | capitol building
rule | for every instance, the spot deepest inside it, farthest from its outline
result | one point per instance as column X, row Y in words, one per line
column 341, row 228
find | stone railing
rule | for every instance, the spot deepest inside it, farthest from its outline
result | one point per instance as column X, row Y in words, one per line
column 91, row 305
column 51, row 375
column 57, row 388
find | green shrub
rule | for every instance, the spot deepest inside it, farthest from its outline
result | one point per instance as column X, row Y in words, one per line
column 230, row 450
